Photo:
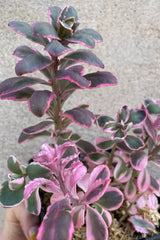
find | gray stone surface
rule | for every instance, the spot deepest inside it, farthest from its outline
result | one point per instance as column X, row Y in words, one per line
column 130, row 50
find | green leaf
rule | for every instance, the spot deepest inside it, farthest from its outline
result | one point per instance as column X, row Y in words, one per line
column 103, row 120
column 96, row 156
column 137, row 116
column 153, row 108
column 134, row 143
column 10, row 198
column 35, row 170
column 14, row 165
column 33, row 202
column 105, row 144
column 54, row 13
column 56, row 49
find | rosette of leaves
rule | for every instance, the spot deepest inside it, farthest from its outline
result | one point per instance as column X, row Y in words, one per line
column 78, row 198
column 62, row 71
column 132, row 152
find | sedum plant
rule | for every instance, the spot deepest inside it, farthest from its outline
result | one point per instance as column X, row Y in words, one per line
column 85, row 183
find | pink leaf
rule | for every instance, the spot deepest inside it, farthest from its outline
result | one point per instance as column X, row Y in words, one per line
column 96, row 227
column 143, row 180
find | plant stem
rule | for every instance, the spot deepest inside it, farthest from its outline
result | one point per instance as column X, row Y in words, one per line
column 112, row 155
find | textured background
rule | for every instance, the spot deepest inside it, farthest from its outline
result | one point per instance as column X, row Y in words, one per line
column 130, row 50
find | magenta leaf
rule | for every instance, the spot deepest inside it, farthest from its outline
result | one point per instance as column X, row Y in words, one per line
column 154, row 186
column 53, row 13
column 78, row 216
column 74, row 77
column 44, row 29
column 134, row 143
column 139, row 160
column 25, row 137
column 101, row 79
column 130, row 190
column 40, row 127
column 15, row 84
column 56, row 49
column 80, row 116
column 112, row 199
column 96, row 227
column 32, row 63
column 25, row 30
column 141, row 225
column 15, row 166
column 40, row 101
column 143, row 180
column 10, row 198
column 57, row 223
column 83, row 55
column 22, row 95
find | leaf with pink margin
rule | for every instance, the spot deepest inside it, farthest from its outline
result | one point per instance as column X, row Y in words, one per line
column 123, row 114
column 102, row 120
column 152, row 106
column 73, row 174
column 112, row 199
column 15, row 84
column 23, row 51
column 22, row 95
column 53, row 14
column 14, row 165
column 156, row 123
column 99, row 172
column 95, row 191
column 56, row 49
column 154, row 186
column 148, row 126
column 97, row 158
column 96, row 227
column 44, row 29
column 141, row 225
column 31, row 193
column 130, row 190
column 127, row 176
column 85, row 146
column 104, row 143
column 10, row 198
column 107, row 217
column 40, row 127
column 139, row 160
column 36, row 170
column 25, row 30
column 83, row 55
column 137, row 116
column 72, row 76
column 152, row 201
column 101, row 79
column 134, row 143
column 80, row 116
column 16, row 184
column 57, row 223
column 40, row 101
column 68, row 12
column 32, row 63
column 141, row 202
column 26, row 138
column 143, row 180
column 80, row 38
column 120, row 169
column 86, row 37
column 77, row 214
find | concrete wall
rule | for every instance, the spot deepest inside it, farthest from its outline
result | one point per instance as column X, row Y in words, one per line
column 130, row 50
